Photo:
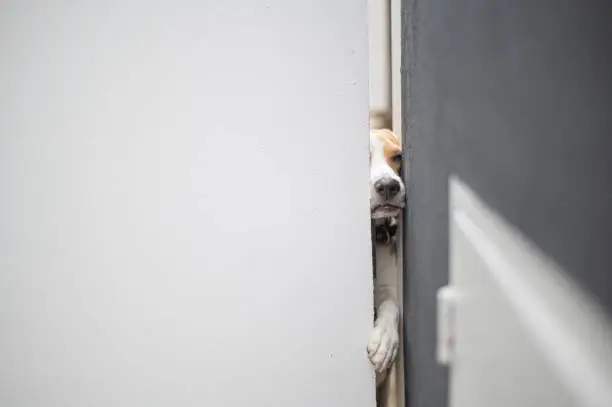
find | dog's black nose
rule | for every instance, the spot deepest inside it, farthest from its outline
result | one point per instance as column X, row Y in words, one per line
column 387, row 187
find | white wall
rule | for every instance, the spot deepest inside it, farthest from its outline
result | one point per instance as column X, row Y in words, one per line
column 184, row 204
column 395, row 44
column 380, row 55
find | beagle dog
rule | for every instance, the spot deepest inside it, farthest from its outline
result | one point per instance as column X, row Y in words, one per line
column 387, row 198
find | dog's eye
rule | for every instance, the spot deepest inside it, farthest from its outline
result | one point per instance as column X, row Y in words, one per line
column 397, row 158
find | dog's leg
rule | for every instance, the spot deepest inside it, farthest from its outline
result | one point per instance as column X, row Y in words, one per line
column 384, row 339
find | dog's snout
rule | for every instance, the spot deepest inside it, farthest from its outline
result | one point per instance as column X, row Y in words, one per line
column 387, row 187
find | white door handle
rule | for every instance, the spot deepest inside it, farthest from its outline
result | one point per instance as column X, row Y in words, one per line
column 448, row 298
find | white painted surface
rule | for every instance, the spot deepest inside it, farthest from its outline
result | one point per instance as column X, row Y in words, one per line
column 526, row 335
column 380, row 55
column 395, row 42
column 184, row 209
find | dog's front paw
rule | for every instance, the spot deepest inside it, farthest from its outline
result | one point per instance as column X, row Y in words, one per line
column 384, row 344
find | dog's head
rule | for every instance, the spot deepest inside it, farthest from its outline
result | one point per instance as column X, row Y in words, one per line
column 387, row 191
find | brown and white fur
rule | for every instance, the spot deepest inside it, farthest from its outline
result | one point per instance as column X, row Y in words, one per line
column 387, row 198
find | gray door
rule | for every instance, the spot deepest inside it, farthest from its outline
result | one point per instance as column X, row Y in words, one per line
column 509, row 115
